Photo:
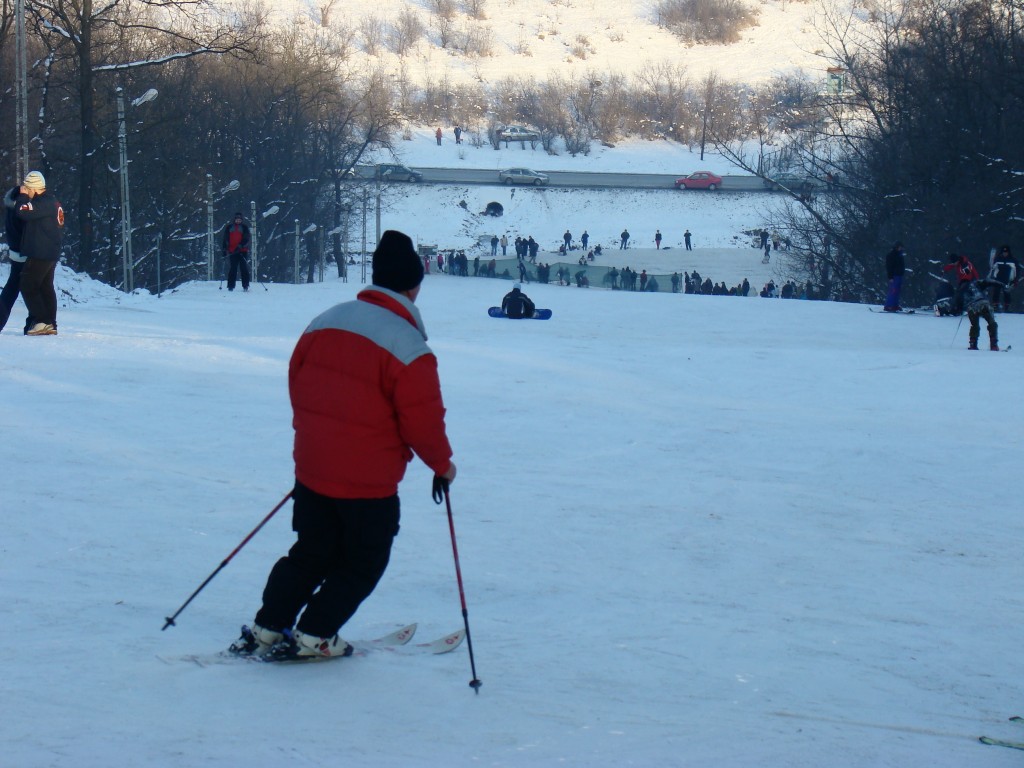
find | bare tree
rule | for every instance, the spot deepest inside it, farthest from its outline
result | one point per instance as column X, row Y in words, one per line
column 86, row 39
column 406, row 30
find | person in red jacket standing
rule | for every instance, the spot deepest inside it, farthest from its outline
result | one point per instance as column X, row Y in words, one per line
column 234, row 246
column 365, row 397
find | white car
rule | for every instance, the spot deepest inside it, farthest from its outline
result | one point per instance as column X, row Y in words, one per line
column 518, row 133
column 522, row 176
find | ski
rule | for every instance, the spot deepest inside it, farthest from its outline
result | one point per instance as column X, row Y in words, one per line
column 898, row 312
column 444, row 644
column 1001, row 743
column 391, row 641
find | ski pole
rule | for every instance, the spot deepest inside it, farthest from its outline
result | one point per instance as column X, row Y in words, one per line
column 170, row 619
column 441, row 488
column 953, row 341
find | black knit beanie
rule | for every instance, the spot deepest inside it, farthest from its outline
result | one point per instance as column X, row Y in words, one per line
column 396, row 265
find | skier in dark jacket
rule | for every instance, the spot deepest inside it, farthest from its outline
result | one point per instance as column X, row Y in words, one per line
column 517, row 304
column 234, row 245
column 14, row 227
column 43, row 216
column 1004, row 275
column 977, row 305
column 895, row 268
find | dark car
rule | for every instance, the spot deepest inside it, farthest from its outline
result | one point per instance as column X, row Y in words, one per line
column 700, row 180
column 522, row 176
column 394, row 172
column 800, row 185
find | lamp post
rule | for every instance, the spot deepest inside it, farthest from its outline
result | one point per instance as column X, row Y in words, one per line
column 127, row 262
column 21, row 75
column 230, row 187
column 255, row 237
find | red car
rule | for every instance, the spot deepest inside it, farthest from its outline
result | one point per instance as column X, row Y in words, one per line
column 700, row 180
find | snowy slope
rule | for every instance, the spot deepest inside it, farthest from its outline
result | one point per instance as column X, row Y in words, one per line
column 693, row 531
column 576, row 38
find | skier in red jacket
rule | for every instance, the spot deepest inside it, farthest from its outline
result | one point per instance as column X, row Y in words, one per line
column 365, row 397
column 965, row 275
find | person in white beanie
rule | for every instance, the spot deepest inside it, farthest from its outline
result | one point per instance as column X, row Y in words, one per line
column 43, row 217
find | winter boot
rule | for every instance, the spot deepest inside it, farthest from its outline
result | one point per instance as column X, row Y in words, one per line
column 255, row 641
column 973, row 344
column 297, row 646
column 994, row 346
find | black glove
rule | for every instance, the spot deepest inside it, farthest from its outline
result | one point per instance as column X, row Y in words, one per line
column 440, row 489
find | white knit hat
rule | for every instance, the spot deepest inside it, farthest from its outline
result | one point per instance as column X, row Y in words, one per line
column 35, row 181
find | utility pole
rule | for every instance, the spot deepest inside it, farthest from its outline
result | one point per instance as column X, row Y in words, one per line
column 127, row 273
column 209, row 227
column 254, row 241
column 21, row 106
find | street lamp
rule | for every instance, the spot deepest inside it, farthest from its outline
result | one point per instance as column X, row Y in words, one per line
column 127, row 262
column 21, row 75
column 254, row 247
column 230, row 187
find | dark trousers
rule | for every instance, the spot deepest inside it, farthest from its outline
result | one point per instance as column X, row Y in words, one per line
column 990, row 320
column 237, row 261
column 10, row 291
column 342, row 550
column 36, row 287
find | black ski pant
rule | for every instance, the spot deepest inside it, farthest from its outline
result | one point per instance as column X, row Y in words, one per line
column 36, row 285
column 343, row 549
column 238, row 262
column 9, row 294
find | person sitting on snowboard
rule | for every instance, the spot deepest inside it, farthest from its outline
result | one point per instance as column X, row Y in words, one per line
column 517, row 304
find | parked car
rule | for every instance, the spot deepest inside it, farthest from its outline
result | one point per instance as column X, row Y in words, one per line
column 394, row 172
column 518, row 133
column 700, row 180
column 800, row 185
column 522, row 176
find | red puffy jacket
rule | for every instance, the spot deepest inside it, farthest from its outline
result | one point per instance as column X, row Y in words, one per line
column 365, row 396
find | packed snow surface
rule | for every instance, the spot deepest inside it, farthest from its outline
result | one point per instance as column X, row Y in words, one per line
column 693, row 531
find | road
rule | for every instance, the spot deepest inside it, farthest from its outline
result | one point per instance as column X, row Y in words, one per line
column 573, row 179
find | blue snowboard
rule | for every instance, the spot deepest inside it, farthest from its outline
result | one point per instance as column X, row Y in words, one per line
column 538, row 314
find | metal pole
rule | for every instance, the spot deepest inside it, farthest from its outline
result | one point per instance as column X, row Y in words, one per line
column 169, row 621
column 127, row 262
column 209, row 226
column 21, row 75
column 363, row 249
column 159, row 245
column 378, row 207
column 297, row 246
column 254, row 241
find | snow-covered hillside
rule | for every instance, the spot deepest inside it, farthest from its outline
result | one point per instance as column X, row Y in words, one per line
column 537, row 38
